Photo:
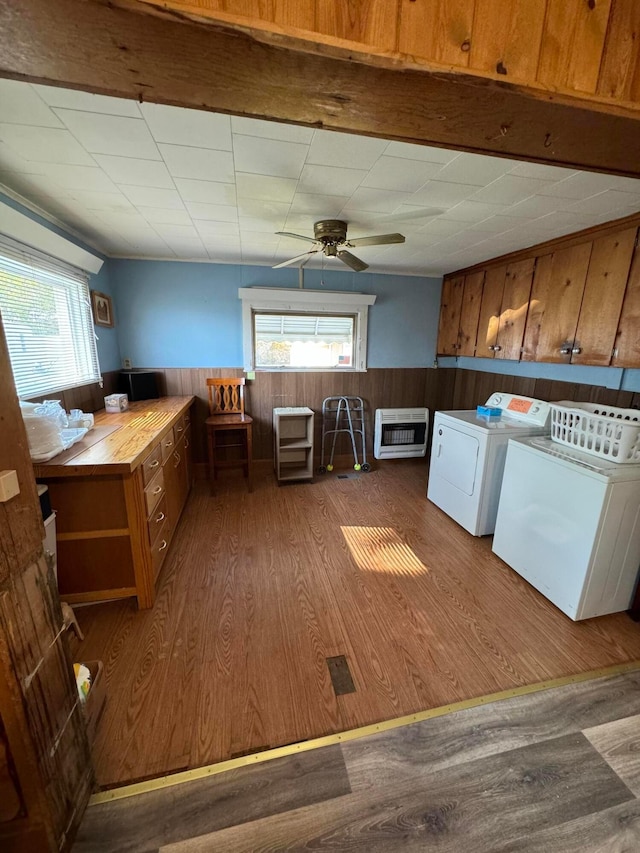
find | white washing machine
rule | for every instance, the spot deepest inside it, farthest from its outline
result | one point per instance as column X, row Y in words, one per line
column 467, row 457
column 569, row 523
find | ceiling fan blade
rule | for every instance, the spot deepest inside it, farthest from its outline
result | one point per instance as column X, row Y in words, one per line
column 380, row 240
column 295, row 236
column 305, row 255
column 351, row 261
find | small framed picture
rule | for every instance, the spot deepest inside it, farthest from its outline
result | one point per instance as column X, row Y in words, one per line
column 102, row 308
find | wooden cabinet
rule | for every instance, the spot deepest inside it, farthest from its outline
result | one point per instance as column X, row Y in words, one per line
column 119, row 500
column 490, row 311
column 450, row 309
column 293, row 443
column 503, row 313
column 602, row 300
column 626, row 351
column 556, row 296
column 470, row 313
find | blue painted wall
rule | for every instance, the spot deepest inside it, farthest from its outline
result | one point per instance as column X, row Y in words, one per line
column 108, row 349
column 174, row 314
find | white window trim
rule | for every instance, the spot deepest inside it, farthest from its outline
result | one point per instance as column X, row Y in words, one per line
column 282, row 299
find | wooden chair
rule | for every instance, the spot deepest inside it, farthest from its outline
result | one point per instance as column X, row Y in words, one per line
column 227, row 415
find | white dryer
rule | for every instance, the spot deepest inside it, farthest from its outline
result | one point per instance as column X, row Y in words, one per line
column 468, row 453
column 569, row 523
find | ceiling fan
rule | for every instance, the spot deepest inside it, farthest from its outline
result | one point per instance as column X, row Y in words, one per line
column 330, row 239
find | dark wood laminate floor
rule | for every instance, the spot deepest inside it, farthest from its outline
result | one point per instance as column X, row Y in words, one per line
column 553, row 771
column 260, row 589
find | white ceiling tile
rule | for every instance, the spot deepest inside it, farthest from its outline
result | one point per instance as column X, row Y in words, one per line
column 136, row 172
column 20, row 104
column 329, row 180
column 79, row 177
column 496, row 224
column 608, row 201
column 162, row 216
column 630, row 185
column 178, row 126
column 268, row 156
column 107, row 134
column 220, row 256
column 209, row 192
column 198, row 163
column 329, row 148
column 260, row 223
column 44, row 145
column 211, row 230
column 186, row 233
column 271, row 129
column 442, row 194
column 476, row 169
column 472, row 211
column 125, row 223
column 541, row 172
column 214, row 212
column 265, row 187
column 420, row 152
column 578, row 186
column 75, row 100
column 382, row 201
column 532, row 207
column 269, row 210
column 396, row 173
column 153, row 197
column 299, row 224
column 101, row 200
column 444, row 227
column 318, row 206
column 261, row 238
column 510, row 189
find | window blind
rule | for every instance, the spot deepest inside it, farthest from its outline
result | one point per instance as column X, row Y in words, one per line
column 46, row 313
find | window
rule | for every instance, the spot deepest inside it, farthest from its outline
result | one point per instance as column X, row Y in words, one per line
column 47, row 321
column 304, row 329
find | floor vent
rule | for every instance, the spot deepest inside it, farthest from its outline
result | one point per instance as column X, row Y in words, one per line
column 340, row 675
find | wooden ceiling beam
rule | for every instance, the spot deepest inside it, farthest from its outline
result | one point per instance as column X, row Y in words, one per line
column 94, row 46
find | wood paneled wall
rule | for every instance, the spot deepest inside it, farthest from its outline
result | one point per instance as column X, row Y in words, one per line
column 466, row 389
column 379, row 388
column 89, row 398
column 573, row 46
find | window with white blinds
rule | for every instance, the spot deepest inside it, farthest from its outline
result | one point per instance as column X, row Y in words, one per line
column 46, row 313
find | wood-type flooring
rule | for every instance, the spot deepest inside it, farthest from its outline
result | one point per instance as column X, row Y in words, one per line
column 260, row 588
column 552, row 772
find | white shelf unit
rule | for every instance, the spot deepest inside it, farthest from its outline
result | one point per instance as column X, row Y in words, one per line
column 293, row 443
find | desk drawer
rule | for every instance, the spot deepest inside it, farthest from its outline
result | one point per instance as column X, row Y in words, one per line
column 154, row 492
column 151, row 464
column 179, row 429
column 157, row 519
column 168, row 445
column 159, row 549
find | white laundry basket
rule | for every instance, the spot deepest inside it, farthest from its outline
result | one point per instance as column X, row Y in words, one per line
column 605, row 431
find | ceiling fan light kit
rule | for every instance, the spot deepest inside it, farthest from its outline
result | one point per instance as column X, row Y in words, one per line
column 330, row 238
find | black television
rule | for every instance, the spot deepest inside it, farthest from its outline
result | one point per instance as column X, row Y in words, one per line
column 139, row 384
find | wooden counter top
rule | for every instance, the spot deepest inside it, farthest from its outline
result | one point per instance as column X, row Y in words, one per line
column 140, row 428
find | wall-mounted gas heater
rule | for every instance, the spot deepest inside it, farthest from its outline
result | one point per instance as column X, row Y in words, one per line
column 400, row 433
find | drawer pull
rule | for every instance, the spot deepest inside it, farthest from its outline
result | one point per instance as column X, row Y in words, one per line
column 163, row 545
column 155, row 463
column 160, row 518
column 187, row 443
column 176, row 456
column 157, row 490
column 168, row 444
column 179, row 429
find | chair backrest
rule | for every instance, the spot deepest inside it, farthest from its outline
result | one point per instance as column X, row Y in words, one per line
column 226, row 396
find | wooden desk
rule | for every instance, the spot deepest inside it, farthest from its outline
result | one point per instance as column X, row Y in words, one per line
column 118, row 500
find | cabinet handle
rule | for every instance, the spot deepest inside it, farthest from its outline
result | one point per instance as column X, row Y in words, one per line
column 168, row 444
column 155, row 463
column 179, row 429
column 576, row 350
column 160, row 518
column 163, row 545
column 491, row 348
column 497, row 348
column 565, row 350
column 187, row 443
column 176, row 456
column 157, row 490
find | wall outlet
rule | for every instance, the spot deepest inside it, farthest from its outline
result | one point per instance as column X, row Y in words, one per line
column 126, row 363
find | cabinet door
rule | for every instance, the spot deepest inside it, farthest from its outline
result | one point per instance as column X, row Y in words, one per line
column 514, row 308
column 450, row 307
column 602, row 300
column 470, row 312
column 556, row 296
column 627, row 346
column 490, row 311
